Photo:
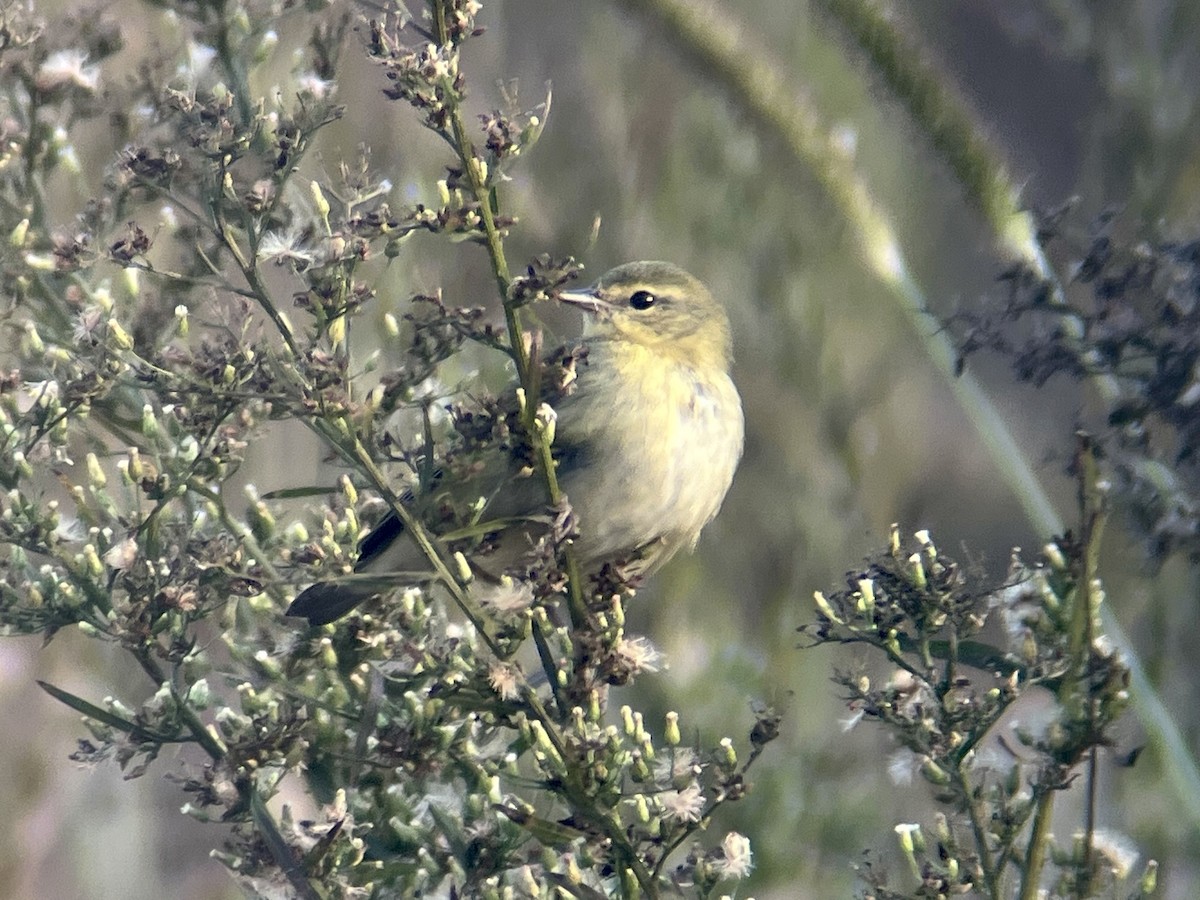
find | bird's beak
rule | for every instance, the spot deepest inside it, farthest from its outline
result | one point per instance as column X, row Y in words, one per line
column 587, row 299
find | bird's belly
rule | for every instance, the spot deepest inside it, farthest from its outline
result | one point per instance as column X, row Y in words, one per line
column 656, row 477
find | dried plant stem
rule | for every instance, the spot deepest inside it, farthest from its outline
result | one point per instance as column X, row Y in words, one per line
column 943, row 116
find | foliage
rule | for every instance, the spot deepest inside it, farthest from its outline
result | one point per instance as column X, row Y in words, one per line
column 1129, row 320
column 212, row 293
column 949, row 705
column 220, row 289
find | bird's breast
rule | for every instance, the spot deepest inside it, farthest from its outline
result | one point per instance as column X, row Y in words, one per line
column 655, row 443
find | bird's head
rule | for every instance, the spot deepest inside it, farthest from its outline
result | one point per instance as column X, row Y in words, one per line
column 658, row 306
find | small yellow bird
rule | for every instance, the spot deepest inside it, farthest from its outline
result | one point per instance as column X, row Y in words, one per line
column 646, row 443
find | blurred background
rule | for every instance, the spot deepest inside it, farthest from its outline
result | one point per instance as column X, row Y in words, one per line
column 850, row 426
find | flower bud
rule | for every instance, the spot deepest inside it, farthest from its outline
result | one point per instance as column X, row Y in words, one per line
column 337, row 331
column 1054, row 556
column 942, row 827
column 1149, row 879
column 328, row 655
column 91, row 558
column 189, row 449
column 103, row 298
column 545, row 420
column 866, row 601
column 199, row 695
column 918, row 571
column 17, row 236
column 149, row 422
column 933, row 773
column 21, row 464
column 463, row 568
column 134, row 469
column 319, row 201
column 262, row 523
column 31, row 341
column 133, row 281
column 728, row 754
column 120, row 337
column 824, row 608
column 96, row 476
column 671, row 736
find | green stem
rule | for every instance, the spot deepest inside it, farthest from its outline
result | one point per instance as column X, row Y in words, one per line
column 527, row 375
column 258, row 289
column 232, row 63
column 951, row 669
column 1039, row 842
column 526, row 372
column 1074, row 696
column 1094, row 510
column 986, row 862
column 1089, row 820
column 351, row 447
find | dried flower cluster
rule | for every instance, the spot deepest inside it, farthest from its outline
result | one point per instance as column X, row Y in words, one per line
column 209, row 292
column 1128, row 323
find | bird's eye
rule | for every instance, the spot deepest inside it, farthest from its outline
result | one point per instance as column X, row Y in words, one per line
column 642, row 300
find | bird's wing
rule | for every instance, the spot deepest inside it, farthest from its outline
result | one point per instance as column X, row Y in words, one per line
column 379, row 539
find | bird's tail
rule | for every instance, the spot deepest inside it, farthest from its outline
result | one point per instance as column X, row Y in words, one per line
column 381, row 551
column 328, row 601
